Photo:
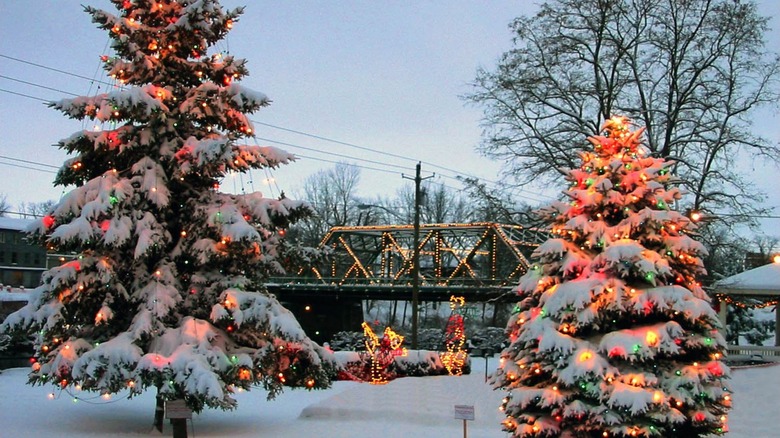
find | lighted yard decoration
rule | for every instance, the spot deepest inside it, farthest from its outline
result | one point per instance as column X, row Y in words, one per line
column 382, row 351
column 454, row 338
column 614, row 335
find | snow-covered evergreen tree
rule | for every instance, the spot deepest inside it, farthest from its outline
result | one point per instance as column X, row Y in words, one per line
column 614, row 336
column 167, row 290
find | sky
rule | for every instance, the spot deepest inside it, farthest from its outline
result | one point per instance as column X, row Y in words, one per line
column 384, row 76
column 380, row 75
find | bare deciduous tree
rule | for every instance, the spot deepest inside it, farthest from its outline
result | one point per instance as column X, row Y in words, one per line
column 438, row 205
column 332, row 193
column 692, row 72
column 35, row 209
column 490, row 205
column 5, row 207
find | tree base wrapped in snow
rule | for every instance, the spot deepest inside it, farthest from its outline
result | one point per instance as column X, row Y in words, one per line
column 165, row 289
column 614, row 336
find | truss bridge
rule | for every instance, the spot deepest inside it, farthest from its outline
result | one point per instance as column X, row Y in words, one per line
column 480, row 261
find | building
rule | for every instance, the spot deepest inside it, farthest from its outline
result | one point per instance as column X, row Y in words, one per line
column 22, row 262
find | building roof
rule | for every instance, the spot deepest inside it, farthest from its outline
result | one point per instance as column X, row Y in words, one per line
column 764, row 281
column 16, row 224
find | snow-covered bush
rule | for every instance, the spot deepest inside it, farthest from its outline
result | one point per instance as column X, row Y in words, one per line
column 347, row 341
column 488, row 338
column 5, row 342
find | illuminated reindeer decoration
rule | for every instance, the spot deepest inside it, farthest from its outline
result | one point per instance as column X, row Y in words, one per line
column 382, row 351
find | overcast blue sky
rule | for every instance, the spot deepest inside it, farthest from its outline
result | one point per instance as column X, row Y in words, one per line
column 381, row 75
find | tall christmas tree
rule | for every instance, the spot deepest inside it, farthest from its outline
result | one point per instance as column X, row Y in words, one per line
column 166, row 290
column 614, row 336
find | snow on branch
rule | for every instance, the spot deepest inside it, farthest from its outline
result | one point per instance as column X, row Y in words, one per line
column 114, row 105
column 151, row 177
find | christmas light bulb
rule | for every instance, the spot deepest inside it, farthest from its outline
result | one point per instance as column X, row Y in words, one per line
column 651, row 338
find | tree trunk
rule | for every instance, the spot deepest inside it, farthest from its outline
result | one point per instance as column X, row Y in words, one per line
column 159, row 412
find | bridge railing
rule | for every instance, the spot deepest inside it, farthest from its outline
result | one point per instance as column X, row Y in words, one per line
column 386, row 281
column 765, row 352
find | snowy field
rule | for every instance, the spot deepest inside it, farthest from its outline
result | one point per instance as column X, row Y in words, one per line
column 410, row 408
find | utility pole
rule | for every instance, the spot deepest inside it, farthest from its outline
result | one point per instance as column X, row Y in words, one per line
column 416, row 252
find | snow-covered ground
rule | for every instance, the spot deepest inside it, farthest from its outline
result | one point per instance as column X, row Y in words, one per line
column 410, row 407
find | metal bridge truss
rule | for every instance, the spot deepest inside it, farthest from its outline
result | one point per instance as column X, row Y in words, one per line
column 478, row 257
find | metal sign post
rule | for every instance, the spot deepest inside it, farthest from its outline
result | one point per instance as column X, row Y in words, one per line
column 465, row 413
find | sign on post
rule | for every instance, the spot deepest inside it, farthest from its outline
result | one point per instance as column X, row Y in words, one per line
column 465, row 413
column 177, row 409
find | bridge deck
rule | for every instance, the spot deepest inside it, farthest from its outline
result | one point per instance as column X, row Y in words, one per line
column 388, row 291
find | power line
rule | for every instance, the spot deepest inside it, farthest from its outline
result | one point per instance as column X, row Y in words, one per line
column 29, row 162
column 24, row 95
column 27, row 167
column 348, row 164
column 331, row 153
column 259, row 138
column 319, row 137
column 309, row 149
column 315, row 136
column 364, row 148
column 75, row 75
column 303, row 156
column 37, row 85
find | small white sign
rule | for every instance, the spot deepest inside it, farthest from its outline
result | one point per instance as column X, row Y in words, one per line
column 177, row 409
column 464, row 412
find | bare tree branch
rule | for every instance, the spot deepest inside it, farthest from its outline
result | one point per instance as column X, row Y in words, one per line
column 692, row 72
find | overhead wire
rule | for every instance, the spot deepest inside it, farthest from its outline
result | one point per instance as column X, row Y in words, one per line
column 75, row 75
column 263, row 139
column 2, row 90
column 534, row 197
column 325, row 160
column 319, row 137
column 279, row 143
column 98, row 69
column 364, row 148
column 29, row 162
column 332, row 153
column 37, row 85
column 259, row 138
column 21, row 166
